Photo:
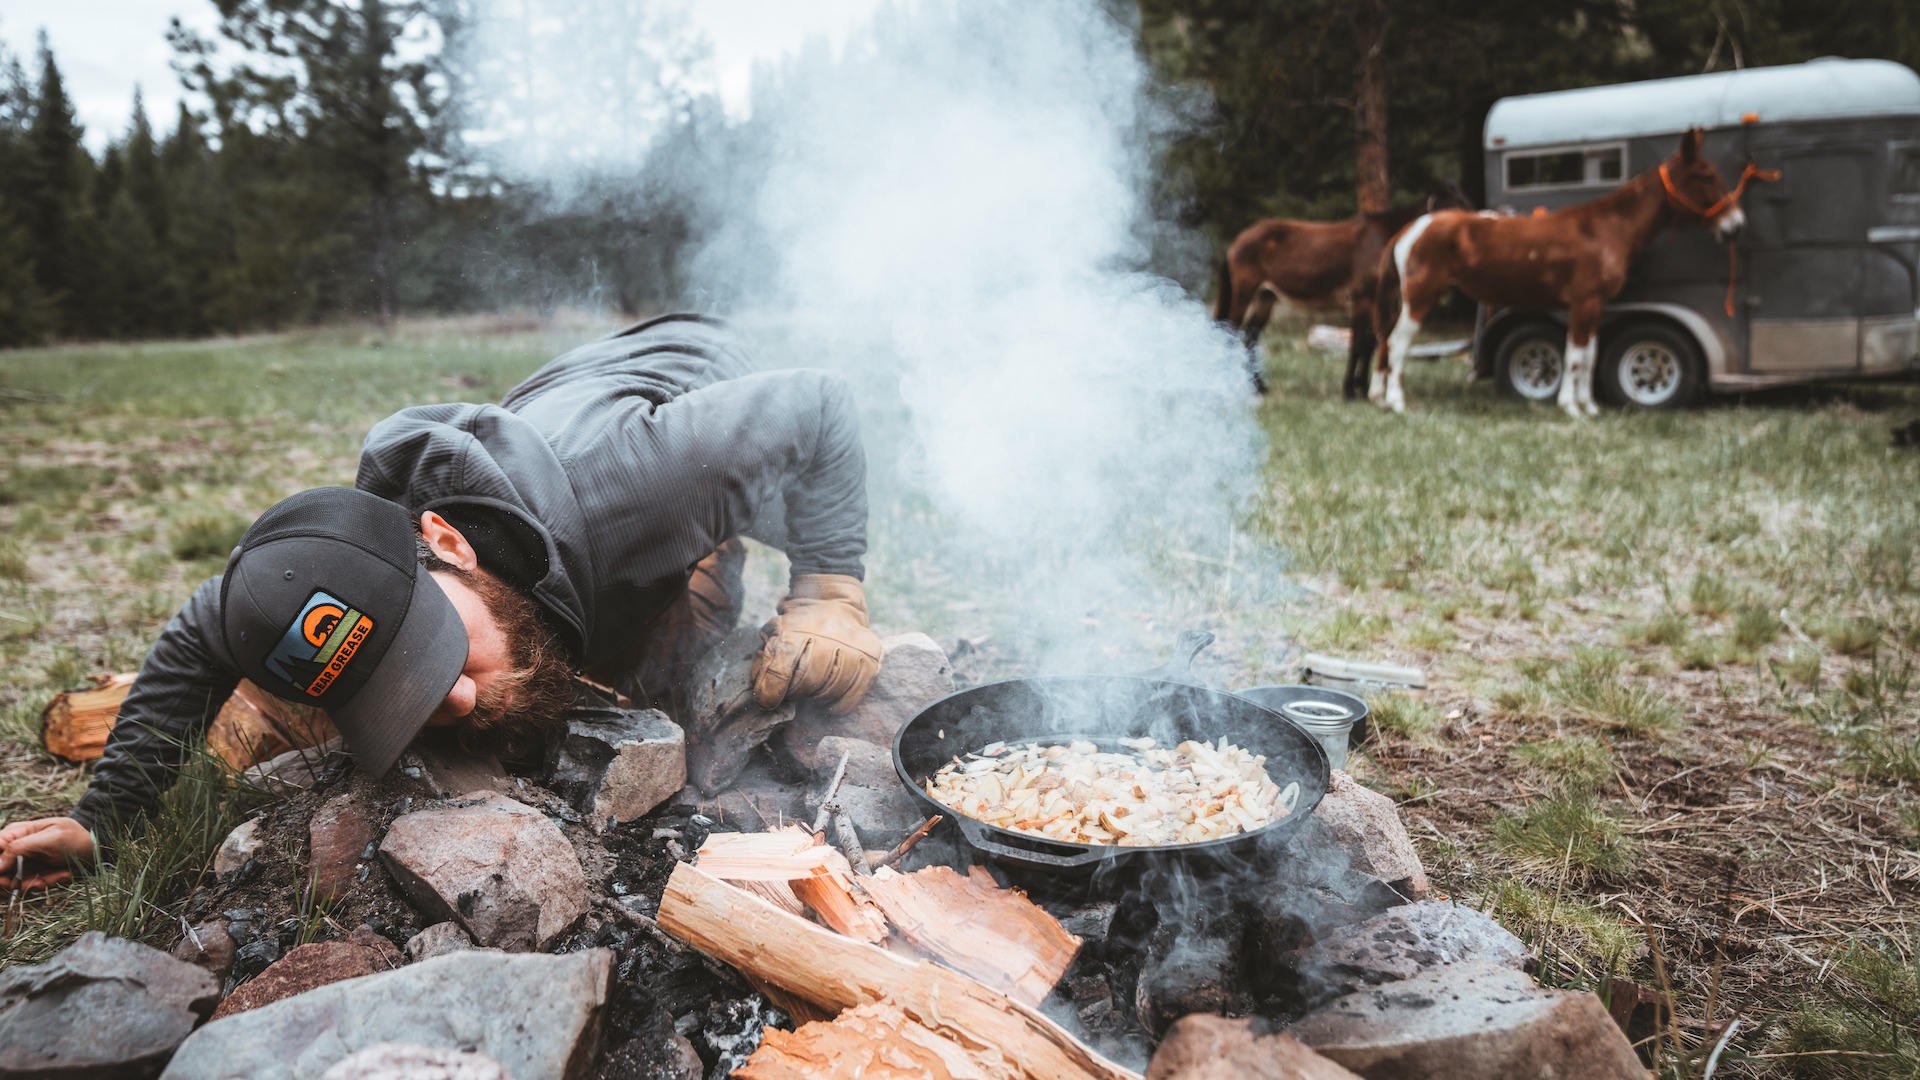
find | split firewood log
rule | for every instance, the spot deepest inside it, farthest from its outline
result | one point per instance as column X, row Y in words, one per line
column 839, row 973
column 817, row 876
column 874, row 1042
column 252, row 727
column 975, row 927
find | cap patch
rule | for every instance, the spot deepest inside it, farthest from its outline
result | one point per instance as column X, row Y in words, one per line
column 319, row 644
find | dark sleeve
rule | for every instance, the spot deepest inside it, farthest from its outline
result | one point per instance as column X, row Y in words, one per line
column 779, row 458
column 184, row 681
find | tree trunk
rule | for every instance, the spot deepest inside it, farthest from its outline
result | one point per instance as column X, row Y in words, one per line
column 1372, row 188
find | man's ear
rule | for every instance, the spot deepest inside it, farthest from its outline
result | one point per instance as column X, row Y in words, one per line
column 445, row 541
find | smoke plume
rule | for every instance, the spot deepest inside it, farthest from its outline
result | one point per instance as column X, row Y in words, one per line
column 951, row 213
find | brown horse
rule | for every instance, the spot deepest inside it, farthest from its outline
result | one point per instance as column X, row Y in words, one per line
column 1319, row 265
column 1575, row 258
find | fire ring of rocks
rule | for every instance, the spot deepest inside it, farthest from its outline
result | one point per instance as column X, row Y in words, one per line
column 769, row 905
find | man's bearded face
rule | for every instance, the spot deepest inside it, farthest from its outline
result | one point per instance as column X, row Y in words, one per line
column 523, row 704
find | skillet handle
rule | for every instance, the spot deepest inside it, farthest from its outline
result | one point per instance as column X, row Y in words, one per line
column 1043, row 854
column 1179, row 666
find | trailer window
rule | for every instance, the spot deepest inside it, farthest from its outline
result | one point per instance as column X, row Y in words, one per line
column 1906, row 170
column 1571, row 167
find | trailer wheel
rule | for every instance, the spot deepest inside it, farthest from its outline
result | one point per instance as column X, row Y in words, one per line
column 1649, row 365
column 1531, row 361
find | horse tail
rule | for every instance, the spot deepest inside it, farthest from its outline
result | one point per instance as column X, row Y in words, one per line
column 1223, row 292
column 1386, row 295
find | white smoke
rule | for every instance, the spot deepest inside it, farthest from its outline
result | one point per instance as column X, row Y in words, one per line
column 951, row 214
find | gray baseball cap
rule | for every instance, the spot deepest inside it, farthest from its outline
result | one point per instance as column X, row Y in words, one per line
column 324, row 603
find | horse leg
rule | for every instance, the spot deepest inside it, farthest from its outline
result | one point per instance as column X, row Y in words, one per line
column 1392, row 395
column 1576, row 382
column 1251, row 326
column 1359, row 350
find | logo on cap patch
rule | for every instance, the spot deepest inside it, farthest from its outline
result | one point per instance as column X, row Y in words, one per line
column 319, row 643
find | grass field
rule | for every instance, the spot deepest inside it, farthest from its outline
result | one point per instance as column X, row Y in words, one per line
column 1673, row 734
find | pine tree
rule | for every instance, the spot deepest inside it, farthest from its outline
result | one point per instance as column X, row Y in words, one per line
column 341, row 116
column 23, row 309
column 57, row 177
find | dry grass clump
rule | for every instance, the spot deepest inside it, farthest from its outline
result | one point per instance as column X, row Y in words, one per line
column 1579, row 945
column 1866, row 1027
column 1669, row 628
column 1404, row 715
column 1592, row 688
column 1853, row 637
column 206, row 536
column 1566, row 831
column 1572, row 764
column 1711, row 595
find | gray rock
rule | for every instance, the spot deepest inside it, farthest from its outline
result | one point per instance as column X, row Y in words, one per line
column 1470, row 1022
column 312, row 965
column 1366, row 825
column 617, row 763
column 411, row 1061
column 438, row 940
column 337, row 835
column 723, row 725
column 497, row 867
column 914, row 672
column 538, row 1016
column 295, row 770
column 437, row 762
column 1401, row 943
column 1207, row 1047
column 243, row 843
column 103, row 1008
column 872, row 793
column 210, row 946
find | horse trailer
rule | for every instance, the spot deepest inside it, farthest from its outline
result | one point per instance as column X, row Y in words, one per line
column 1821, row 285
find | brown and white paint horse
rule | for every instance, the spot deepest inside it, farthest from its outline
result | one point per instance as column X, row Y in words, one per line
column 1317, row 265
column 1575, row 258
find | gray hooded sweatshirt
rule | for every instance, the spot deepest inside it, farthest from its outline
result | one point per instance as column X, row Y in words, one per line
column 609, row 472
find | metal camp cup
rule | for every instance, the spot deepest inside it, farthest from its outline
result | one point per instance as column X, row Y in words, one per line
column 1327, row 715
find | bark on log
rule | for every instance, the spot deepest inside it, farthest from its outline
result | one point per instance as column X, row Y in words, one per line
column 874, row 1042
column 838, row 973
column 977, row 928
column 251, row 727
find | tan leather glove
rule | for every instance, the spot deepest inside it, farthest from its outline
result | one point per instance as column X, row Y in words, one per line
column 818, row 645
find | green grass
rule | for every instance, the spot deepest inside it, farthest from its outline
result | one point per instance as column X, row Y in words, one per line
column 1755, row 626
column 1575, row 765
column 206, row 536
column 1592, row 687
column 135, row 894
column 1710, row 595
column 1669, row 628
column 1853, row 637
column 13, row 561
column 1580, row 946
column 1866, row 1026
column 1568, row 831
column 1404, row 715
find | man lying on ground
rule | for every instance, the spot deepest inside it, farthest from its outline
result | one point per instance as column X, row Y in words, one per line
column 588, row 523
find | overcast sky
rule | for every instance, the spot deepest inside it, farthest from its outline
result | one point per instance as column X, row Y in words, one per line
column 105, row 47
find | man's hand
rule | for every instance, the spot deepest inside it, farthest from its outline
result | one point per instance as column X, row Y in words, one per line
column 818, row 645
column 49, row 848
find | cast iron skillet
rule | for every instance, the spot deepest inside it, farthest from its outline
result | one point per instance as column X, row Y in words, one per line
column 1103, row 709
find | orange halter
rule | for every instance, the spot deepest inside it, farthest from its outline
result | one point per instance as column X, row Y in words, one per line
column 1730, row 199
